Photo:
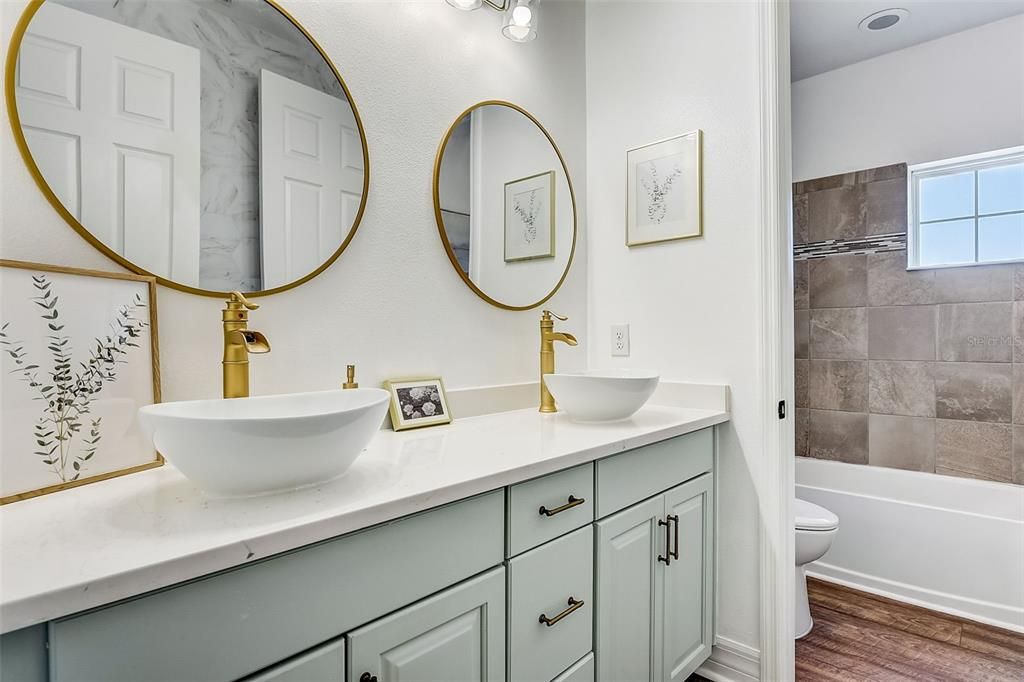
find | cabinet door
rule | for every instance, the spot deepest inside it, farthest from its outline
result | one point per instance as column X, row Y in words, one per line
column 455, row 636
column 628, row 593
column 686, row 641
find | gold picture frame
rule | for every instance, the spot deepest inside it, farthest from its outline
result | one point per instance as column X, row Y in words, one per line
column 549, row 177
column 410, row 410
column 150, row 287
column 670, row 231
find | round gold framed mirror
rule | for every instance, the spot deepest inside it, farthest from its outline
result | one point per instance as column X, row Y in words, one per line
column 505, row 205
column 211, row 144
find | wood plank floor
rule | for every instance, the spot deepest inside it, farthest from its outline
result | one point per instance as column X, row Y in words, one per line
column 858, row 637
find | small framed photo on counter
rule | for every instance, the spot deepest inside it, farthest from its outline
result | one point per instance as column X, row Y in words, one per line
column 417, row 402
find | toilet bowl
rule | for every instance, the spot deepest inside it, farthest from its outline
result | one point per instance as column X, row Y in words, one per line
column 816, row 527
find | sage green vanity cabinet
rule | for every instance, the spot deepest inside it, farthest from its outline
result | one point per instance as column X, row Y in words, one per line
column 654, row 586
column 23, row 655
column 602, row 571
column 232, row 624
column 458, row 635
column 325, row 663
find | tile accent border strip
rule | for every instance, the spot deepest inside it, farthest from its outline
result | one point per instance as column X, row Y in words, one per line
column 896, row 241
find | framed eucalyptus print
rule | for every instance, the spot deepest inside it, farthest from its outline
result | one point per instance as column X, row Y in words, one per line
column 663, row 190
column 79, row 358
column 530, row 218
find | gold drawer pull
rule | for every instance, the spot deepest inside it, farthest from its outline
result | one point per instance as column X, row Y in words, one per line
column 572, row 502
column 573, row 605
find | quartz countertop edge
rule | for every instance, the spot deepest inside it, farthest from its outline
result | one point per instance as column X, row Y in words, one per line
column 91, row 546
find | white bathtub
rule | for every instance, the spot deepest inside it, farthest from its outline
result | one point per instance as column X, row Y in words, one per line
column 950, row 544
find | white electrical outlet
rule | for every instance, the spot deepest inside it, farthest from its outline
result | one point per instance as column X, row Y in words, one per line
column 620, row 340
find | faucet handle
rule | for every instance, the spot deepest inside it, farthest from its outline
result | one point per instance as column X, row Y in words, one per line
column 236, row 301
column 548, row 315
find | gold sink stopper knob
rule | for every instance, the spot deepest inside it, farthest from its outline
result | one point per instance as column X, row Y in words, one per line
column 350, row 373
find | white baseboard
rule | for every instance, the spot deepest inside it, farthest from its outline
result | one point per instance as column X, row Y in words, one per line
column 732, row 662
column 997, row 615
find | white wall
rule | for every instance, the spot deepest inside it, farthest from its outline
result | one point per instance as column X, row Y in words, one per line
column 392, row 303
column 957, row 95
column 654, row 70
column 455, row 179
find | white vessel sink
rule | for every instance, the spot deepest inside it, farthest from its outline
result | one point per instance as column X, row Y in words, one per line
column 601, row 395
column 248, row 446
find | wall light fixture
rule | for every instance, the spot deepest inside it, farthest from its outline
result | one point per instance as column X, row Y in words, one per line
column 519, row 17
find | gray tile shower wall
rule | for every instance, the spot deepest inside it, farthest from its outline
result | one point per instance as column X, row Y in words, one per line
column 920, row 370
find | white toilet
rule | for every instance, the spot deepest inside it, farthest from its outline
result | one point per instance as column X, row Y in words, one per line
column 815, row 529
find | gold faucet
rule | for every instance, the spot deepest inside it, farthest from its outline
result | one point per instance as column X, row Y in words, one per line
column 547, row 355
column 239, row 341
column 350, row 377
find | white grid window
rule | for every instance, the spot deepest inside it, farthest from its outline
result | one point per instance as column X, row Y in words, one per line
column 967, row 210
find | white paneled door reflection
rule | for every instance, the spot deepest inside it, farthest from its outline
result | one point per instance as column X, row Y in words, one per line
column 111, row 115
column 311, row 177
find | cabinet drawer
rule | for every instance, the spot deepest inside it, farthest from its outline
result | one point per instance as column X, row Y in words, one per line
column 633, row 476
column 541, row 583
column 580, row 671
column 323, row 664
column 556, row 495
column 235, row 623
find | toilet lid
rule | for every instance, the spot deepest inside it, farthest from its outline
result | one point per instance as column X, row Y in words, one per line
column 810, row 516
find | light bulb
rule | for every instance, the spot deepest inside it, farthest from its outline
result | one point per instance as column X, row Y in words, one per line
column 522, row 15
column 520, row 20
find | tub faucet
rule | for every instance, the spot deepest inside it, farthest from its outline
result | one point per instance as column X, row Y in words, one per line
column 547, row 355
column 239, row 342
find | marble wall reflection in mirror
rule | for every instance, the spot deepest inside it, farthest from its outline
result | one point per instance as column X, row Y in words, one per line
column 505, row 206
column 207, row 142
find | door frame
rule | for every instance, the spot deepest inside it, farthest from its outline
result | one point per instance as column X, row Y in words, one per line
column 776, row 365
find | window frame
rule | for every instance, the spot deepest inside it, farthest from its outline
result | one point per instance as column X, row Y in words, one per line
column 932, row 169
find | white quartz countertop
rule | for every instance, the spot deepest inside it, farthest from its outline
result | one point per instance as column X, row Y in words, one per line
column 82, row 548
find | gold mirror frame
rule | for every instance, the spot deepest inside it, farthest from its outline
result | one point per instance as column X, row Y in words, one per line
column 33, row 169
column 440, row 219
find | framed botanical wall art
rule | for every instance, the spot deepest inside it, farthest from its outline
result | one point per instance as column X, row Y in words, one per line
column 663, row 190
column 417, row 402
column 530, row 218
column 79, row 358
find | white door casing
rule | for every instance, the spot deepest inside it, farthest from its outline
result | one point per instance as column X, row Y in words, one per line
column 311, row 177
column 111, row 116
